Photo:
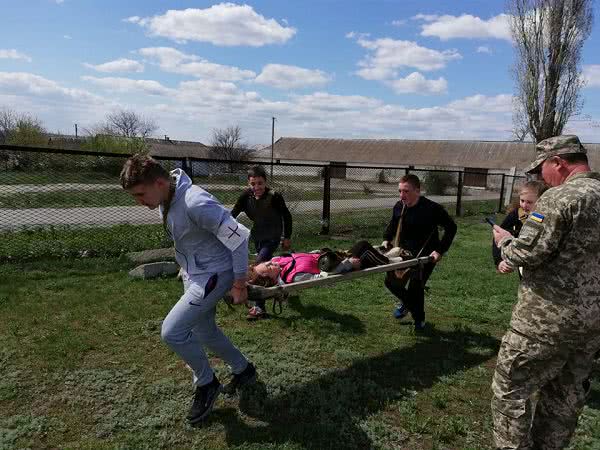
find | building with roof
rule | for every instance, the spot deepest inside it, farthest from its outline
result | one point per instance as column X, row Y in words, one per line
column 475, row 158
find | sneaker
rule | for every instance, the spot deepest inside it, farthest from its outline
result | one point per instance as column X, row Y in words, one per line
column 401, row 311
column 256, row 313
column 204, row 400
column 247, row 376
column 420, row 326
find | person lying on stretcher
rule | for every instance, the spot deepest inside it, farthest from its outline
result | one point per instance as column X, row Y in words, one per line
column 296, row 267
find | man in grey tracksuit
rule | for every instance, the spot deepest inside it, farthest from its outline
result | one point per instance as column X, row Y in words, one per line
column 212, row 249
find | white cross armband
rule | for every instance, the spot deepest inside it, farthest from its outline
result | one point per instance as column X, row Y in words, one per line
column 232, row 234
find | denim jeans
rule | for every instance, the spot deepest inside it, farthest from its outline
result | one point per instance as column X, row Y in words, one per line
column 190, row 326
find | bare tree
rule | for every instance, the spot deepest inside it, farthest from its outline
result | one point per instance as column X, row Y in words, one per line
column 20, row 128
column 122, row 130
column 8, row 120
column 520, row 131
column 548, row 36
column 227, row 143
column 129, row 124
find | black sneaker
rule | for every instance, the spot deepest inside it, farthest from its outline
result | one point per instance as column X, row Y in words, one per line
column 204, row 400
column 248, row 375
column 420, row 327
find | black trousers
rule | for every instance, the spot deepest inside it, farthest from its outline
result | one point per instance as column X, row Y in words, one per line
column 413, row 293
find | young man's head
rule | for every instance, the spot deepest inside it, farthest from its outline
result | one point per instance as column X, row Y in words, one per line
column 257, row 180
column 146, row 180
column 410, row 189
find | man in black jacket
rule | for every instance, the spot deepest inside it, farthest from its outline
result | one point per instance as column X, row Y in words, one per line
column 414, row 227
column 271, row 220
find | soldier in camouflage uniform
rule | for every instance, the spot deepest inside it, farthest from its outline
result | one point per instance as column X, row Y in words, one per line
column 554, row 332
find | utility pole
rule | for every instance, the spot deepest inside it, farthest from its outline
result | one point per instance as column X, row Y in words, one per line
column 272, row 145
column 75, row 130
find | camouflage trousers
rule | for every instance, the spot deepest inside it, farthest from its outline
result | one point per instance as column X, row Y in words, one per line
column 539, row 391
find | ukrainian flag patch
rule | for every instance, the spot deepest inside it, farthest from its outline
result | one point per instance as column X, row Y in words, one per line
column 537, row 217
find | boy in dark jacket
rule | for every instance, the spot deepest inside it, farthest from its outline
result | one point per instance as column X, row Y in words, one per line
column 271, row 221
column 414, row 227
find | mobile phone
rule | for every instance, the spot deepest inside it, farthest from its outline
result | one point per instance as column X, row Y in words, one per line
column 490, row 221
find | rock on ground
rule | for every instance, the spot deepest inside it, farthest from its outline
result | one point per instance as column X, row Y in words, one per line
column 149, row 256
column 154, row 270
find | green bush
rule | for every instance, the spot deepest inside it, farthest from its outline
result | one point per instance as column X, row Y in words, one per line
column 437, row 183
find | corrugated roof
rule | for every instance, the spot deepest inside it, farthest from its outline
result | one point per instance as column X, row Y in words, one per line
column 168, row 148
column 177, row 149
column 476, row 154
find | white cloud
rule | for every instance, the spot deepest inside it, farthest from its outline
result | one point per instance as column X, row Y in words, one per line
column 190, row 109
column 118, row 65
column 215, row 96
column 388, row 55
column 426, row 17
column 128, row 85
column 59, row 2
column 224, row 24
column 324, row 101
column 500, row 103
column 591, row 74
column 484, row 49
column 13, row 54
column 291, row 77
column 174, row 61
column 29, row 84
column 465, row 26
column 416, row 83
column 398, row 23
column 354, row 34
column 66, row 36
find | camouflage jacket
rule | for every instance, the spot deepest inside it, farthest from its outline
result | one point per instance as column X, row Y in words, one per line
column 559, row 250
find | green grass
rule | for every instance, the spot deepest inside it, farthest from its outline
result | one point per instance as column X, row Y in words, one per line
column 82, row 365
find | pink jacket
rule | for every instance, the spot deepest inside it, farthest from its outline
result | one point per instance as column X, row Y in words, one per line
column 297, row 263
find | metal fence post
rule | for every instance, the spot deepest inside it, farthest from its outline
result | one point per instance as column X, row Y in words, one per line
column 459, row 194
column 326, row 214
column 501, row 202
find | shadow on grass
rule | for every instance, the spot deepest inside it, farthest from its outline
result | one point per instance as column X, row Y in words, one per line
column 347, row 323
column 325, row 412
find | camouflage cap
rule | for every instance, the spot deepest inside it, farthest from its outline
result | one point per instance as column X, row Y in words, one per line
column 557, row 145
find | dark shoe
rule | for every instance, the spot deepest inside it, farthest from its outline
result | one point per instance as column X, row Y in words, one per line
column 204, row 400
column 401, row 311
column 247, row 376
column 420, row 327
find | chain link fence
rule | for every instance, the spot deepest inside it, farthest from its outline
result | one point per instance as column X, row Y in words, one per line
column 68, row 203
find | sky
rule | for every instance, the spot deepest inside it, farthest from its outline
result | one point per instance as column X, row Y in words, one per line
column 386, row 69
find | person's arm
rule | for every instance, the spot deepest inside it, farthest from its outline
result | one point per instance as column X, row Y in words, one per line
column 305, row 276
column 511, row 221
column 209, row 214
column 445, row 221
column 390, row 231
column 240, row 205
column 540, row 236
column 508, row 224
column 286, row 216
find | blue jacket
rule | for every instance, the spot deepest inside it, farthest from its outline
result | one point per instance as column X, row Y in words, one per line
column 207, row 239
